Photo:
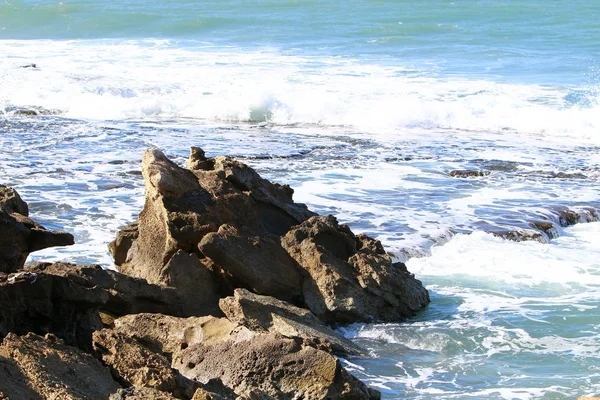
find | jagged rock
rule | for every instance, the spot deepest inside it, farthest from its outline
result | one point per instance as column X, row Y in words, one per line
column 267, row 314
column 183, row 206
column 11, row 202
column 352, row 278
column 20, row 236
column 141, row 393
column 272, row 367
column 251, row 364
column 38, row 367
column 521, row 235
column 134, row 365
column 66, row 300
column 569, row 217
column 254, row 262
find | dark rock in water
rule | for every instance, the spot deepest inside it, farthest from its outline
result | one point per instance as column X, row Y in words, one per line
column 35, row 367
column 267, row 314
column 32, row 65
column 547, row 227
column 352, row 279
column 250, row 364
column 468, row 173
column 19, row 235
column 565, row 175
column 569, row 217
column 67, row 299
column 30, row 111
column 521, row 235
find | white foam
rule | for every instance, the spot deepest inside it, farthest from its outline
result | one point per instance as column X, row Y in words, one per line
column 129, row 79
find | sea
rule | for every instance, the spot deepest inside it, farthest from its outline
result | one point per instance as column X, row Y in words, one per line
column 445, row 129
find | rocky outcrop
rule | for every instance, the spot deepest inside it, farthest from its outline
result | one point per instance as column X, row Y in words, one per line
column 35, row 367
column 267, row 314
column 249, row 363
column 218, row 226
column 20, row 235
column 254, row 262
column 67, row 300
column 352, row 279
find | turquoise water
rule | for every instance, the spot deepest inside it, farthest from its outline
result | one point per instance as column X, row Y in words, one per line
column 364, row 107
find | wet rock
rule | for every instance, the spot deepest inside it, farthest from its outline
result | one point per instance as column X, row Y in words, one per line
column 352, row 279
column 267, row 314
column 257, row 263
column 546, row 227
column 67, row 300
column 569, row 217
column 468, row 173
column 521, row 235
column 36, row 367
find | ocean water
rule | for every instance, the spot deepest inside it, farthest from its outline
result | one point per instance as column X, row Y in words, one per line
column 365, row 108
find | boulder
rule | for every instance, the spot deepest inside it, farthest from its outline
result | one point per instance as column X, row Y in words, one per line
column 250, row 364
column 182, row 206
column 36, row 367
column 352, row 279
column 70, row 300
column 254, row 262
column 267, row 314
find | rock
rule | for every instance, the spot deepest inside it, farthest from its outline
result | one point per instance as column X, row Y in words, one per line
column 141, row 393
column 257, row 263
column 569, row 217
column 134, row 365
column 267, row 314
column 251, row 364
column 20, row 236
column 352, row 278
column 183, row 206
column 468, row 173
column 272, row 367
column 67, row 300
column 44, row 368
column 546, row 227
column 521, row 235
column 11, row 202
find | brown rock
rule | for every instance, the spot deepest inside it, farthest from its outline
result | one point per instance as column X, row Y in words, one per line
column 251, row 364
column 272, row 367
column 257, row 263
column 352, row 278
column 134, row 365
column 11, row 202
column 267, row 314
column 45, row 368
column 66, row 300
column 141, row 393
column 468, row 173
column 20, row 236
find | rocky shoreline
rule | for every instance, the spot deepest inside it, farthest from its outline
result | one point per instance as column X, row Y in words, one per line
column 226, row 289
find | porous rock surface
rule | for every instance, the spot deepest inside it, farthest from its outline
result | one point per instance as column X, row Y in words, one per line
column 250, row 364
column 220, row 226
